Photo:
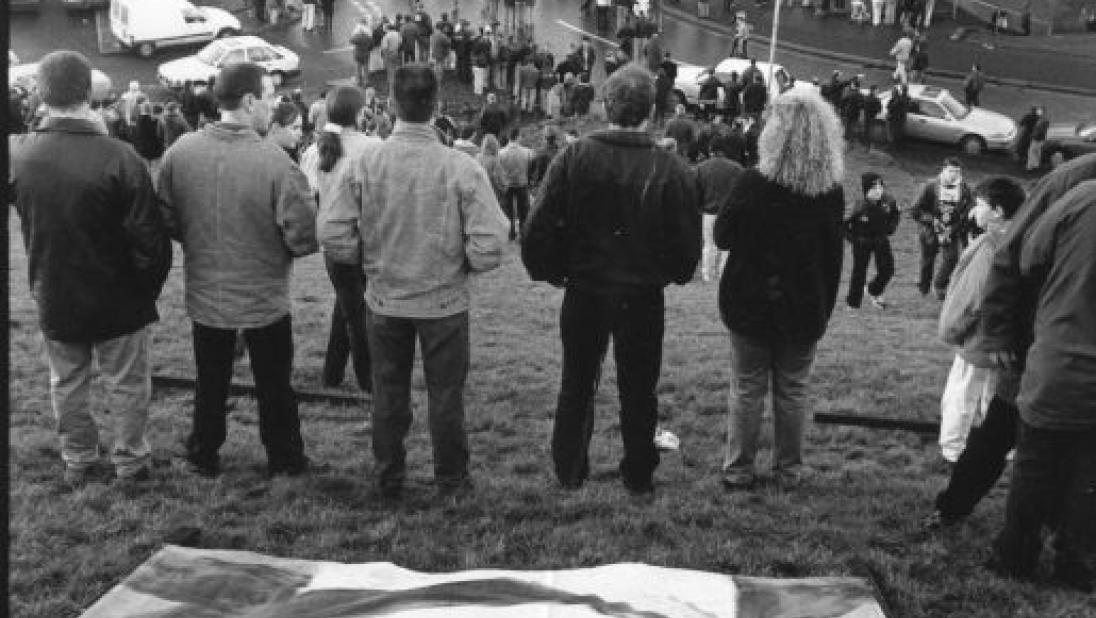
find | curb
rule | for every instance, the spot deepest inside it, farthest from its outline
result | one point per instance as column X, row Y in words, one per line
column 871, row 63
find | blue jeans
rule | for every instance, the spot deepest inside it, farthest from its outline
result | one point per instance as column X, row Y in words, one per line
column 1053, row 485
column 636, row 323
column 445, row 359
column 754, row 363
column 347, row 338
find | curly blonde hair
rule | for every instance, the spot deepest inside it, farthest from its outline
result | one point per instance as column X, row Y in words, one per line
column 802, row 146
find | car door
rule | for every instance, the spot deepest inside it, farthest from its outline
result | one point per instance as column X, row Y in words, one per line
column 927, row 120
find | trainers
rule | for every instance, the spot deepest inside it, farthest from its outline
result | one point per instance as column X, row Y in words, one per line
column 738, row 478
column 666, row 440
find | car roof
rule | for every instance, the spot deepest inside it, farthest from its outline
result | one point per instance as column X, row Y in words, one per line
column 740, row 64
column 248, row 40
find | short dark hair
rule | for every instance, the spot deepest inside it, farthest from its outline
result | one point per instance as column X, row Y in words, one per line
column 415, row 89
column 237, row 80
column 629, row 95
column 64, row 79
column 952, row 162
column 1002, row 192
column 515, row 133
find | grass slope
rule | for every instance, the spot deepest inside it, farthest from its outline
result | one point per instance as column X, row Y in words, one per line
column 857, row 514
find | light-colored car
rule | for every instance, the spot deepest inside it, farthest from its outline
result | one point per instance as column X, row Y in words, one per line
column 689, row 78
column 278, row 61
column 147, row 25
column 936, row 116
column 26, row 76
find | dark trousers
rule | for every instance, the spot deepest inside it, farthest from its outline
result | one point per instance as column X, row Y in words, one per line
column 516, row 207
column 949, row 256
column 270, row 349
column 982, row 461
column 862, row 254
column 347, row 339
column 445, row 357
column 636, row 324
column 1053, row 485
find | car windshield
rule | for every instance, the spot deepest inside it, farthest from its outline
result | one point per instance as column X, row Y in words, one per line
column 955, row 108
column 212, row 53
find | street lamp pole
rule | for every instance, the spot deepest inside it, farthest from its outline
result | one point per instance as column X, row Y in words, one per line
column 772, row 40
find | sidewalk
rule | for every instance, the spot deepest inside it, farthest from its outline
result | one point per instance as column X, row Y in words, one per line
column 1063, row 63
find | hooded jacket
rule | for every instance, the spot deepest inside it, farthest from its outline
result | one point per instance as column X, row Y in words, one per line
column 872, row 221
column 615, row 215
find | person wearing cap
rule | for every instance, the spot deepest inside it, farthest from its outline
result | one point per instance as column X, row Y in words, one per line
column 98, row 254
column 242, row 211
column 941, row 212
column 868, row 229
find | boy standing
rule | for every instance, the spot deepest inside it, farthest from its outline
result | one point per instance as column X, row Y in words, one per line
column 868, row 228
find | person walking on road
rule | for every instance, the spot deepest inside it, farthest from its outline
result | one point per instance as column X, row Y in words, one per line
column 1038, row 137
column 897, row 109
column 973, row 84
column 98, row 254
column 242, row 211
column 901, row 53
column 362, row 40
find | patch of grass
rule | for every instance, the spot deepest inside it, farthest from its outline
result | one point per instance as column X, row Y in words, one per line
column 857, row 514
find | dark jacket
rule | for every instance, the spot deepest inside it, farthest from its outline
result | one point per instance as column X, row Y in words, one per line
column 717, row 176
column 754, row 96
column 97, row 248
column 1058, row 259
column 942, row 222
column 146, row 138
column 784, row 262
column 870, row 222
column 615, row 215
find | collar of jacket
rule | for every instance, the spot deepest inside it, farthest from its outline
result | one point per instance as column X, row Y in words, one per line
column 231, row 130
column 69, row 124
column 623, row 137
column 423, row 131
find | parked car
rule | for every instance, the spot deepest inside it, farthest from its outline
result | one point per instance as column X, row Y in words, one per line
column 199, row 68
column 146, row 25
column 26, row 76
column 936, row 116
column 1068, row 140
column 689, row 78
column 85, row 5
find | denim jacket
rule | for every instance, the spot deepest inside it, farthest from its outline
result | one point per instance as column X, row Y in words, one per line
column 427, row 217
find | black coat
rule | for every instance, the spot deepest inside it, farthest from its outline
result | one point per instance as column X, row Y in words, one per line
column 784, row 261
column 97, row 248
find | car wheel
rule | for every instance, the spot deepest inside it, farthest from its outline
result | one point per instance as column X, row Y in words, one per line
column 973, row 145
column 1057, row 158
column 278, row 78
column 146, row 49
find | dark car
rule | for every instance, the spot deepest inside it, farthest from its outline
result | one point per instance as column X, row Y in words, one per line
column 1066, row 141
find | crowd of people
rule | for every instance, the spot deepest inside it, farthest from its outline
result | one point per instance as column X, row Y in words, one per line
column 403, row 216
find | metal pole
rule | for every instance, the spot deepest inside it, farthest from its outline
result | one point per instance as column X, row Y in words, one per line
column 772, row 41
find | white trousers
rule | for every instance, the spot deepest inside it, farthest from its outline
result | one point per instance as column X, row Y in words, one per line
column 308, row 17
column 963, row 405
column 124, row 368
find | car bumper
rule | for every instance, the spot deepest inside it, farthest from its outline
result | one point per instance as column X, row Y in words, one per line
column 1001, row 143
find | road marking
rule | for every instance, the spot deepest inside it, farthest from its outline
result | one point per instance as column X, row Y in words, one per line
column 589, row 34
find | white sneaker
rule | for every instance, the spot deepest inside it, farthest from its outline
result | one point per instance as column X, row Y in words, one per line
column 666, row 440
column 877, row 301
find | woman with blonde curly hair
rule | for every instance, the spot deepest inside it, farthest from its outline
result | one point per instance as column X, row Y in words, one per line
column 782, row 226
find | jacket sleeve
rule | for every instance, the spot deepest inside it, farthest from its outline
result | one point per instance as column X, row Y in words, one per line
column 834, row 248
column 682, row 225
column 484, row 224
column 542, row 250
column 169, row 214
column 143, row 225
column 922, row 210
column 959, row 313
column 337, row 226
column 295, row 212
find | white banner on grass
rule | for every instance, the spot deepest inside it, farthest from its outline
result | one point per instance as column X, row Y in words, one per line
column 179, row 582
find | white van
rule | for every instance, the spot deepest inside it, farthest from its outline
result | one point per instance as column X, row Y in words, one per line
column 145, row 25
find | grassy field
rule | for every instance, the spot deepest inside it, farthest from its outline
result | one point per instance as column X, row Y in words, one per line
column 857, row 514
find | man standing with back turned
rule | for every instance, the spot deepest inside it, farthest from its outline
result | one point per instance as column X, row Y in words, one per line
column 242, row 211
column 97, row 256
column 428, row 218
column 615, row 222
